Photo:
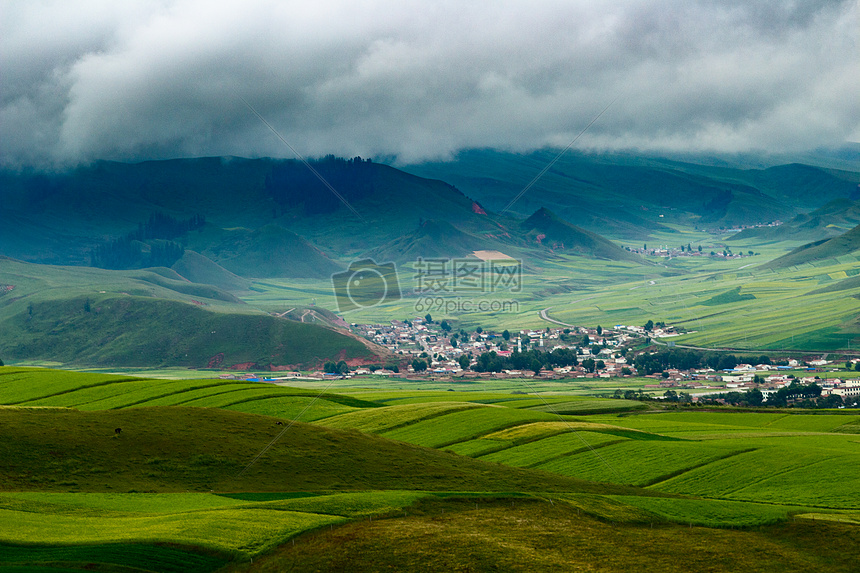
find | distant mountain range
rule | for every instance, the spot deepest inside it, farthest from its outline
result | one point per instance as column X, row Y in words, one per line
column 629, row 197
column 266, row 218
column 178, row 238
column 241, row 218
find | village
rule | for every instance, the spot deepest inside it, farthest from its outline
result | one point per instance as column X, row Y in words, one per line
column 424, row 349
column 688, row 250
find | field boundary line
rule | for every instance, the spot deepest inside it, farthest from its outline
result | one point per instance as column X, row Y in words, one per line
column 571, row 428
column 144, row 401
column 682, row 471
column 466, row 406
column 333, row 398
column 575, row 452
column 493, row 430
column 71, row 391
column 224, row 393
column 284, row 431
column 515, row 443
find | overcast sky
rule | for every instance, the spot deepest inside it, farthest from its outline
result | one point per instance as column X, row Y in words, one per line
column 420, row 80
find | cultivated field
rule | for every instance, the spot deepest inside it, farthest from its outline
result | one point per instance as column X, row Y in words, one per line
column 209, row 474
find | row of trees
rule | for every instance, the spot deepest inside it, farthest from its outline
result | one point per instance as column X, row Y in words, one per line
column 161, row 226
column 341, row 367
column 127, row 253
column 795, row 394
column 690, row 359
column 148, row 246
column 526, row 360
column 668, row 396
column 292, row 184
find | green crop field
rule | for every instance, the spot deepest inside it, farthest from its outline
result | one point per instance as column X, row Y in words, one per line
column 532, row 399
column 639, row 462
column 306, row 409
column 534, row 454
column 809, row 470
column 704, row 424
column 465, row 425
column 229, row 530
column 383, row 463
column 395, row 416
column 711, row 512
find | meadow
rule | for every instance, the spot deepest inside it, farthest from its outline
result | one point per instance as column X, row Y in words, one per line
column 741, row 304
column 202, row 477
column 721, row 303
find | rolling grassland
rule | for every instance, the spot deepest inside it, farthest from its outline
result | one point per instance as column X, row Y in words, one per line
column 393, row 479
column 731, row 303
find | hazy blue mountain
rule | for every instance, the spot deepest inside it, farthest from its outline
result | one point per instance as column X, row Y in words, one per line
column 834, row 218
column 626, row 196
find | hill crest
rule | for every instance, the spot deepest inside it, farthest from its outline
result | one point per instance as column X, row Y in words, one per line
column 545, row 228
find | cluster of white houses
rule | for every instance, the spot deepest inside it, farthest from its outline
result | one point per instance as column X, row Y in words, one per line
column 442, row 352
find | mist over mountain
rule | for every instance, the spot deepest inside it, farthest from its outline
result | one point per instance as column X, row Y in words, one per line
column 264, row 217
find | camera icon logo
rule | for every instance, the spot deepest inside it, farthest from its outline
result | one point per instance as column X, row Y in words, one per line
column 365, row 284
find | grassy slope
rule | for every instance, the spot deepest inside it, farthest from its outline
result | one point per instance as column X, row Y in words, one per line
column 192, row 449
column 60, row 218
column 838, row 246
column 165, row 333
column 144, row 318
column 524, row 535
column 269, row 251
column 597, row 192
column 433, row 239
column 837, row 216
column 395, row 208
column 171, row 449
column 197, row 268
column 559, row 234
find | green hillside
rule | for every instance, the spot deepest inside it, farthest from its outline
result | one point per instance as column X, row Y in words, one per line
column 171, row 280
column 553, row 535
column 229, row 489
column 432, row 239
column 832, row 219
column 269, row 251
column 86, row 316
column 844, row 244
column 623, row 196
column 196, row 268
column 172, row 449
column 544, row 228
column 60, row 218
column 138, row 331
